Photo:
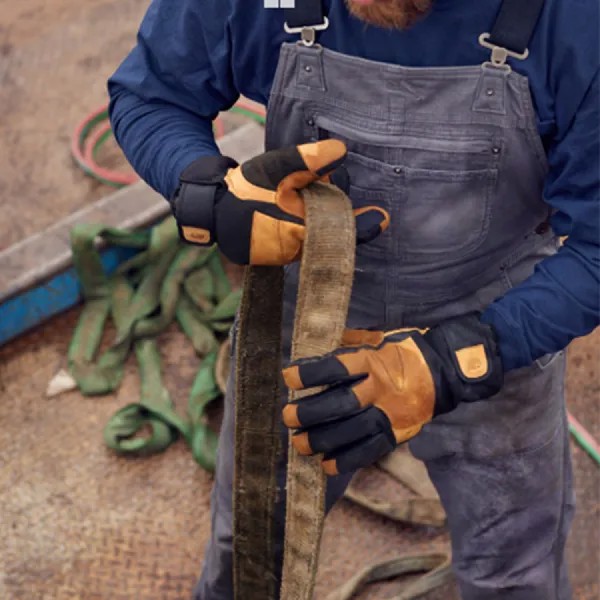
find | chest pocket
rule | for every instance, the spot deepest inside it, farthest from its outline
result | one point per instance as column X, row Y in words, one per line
column 438, row 185
column 445, row 212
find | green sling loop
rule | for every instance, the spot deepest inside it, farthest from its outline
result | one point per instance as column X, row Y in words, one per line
column 165, row 281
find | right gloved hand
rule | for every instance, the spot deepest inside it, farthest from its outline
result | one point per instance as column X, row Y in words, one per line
column 387, row 386
column 254, row 212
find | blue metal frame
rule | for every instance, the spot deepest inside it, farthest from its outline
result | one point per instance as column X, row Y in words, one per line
column 62, row 291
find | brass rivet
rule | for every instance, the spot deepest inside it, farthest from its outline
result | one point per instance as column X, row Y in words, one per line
column 308, row 68
column 490, row 92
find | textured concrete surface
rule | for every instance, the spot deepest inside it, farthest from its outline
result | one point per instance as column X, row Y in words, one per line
column 76, row 518
column 55, row 57
column 76, row 521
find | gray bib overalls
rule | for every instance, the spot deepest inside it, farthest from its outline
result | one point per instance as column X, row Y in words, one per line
column 455, row 157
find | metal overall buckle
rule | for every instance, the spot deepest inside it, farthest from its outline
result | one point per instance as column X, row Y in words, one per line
column 308, row 33
column 500, row 54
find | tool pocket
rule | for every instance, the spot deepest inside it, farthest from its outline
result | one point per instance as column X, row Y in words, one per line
column 445, row 212
column 438, row 185
column 424, row 147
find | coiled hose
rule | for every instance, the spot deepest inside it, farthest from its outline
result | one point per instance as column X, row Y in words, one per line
column 94, row 131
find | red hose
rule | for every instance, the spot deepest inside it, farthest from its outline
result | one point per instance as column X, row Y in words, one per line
column 89, row 135
column 117, row 177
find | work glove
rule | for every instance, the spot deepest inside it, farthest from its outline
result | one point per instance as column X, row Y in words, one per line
column 254, row 212
column 385, row 388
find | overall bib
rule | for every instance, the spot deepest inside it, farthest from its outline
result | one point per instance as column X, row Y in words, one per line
column 453, row 154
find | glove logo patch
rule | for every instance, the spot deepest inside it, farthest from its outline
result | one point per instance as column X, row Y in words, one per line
column 196, row 235
column 473, row 361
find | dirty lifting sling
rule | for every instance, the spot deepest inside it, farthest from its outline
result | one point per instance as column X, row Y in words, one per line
column 257, row 436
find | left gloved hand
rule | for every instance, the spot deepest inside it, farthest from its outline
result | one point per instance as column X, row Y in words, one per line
column 255, row 212
column 383, row 391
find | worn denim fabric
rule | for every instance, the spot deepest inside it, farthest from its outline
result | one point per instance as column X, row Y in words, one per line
column 454, row 155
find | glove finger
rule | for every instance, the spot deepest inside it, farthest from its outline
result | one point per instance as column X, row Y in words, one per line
column 371, row 221
column 323, row 370
column 331, row 436
column 363, row 337
column 335, row 403
column 311, row 161
column 266, row 176
column 357, row 456
column 324, row 157
column 275, row 240
column 320, row 159
column 340, row 178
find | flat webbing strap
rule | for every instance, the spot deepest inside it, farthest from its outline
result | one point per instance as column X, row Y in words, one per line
column 326, row 276
column 323, row 297
column 305, row 13
column 515, row 24
column 257, row 433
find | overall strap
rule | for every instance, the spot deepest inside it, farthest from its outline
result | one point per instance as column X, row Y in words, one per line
column 306, row 13
column 513, row 30
column 516, row 23
column 306, row 17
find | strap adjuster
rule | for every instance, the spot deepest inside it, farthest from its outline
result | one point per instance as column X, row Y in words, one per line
column 308, row 33
column 500, row 54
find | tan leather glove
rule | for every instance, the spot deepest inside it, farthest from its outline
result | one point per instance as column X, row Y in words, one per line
column 254, row 212
column 383, row 392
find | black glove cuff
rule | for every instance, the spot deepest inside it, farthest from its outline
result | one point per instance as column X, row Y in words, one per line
column 471, row 367
column 200, row 187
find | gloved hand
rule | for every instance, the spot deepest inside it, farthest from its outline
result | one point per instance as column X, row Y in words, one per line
column 383, row 391
column 254, row 212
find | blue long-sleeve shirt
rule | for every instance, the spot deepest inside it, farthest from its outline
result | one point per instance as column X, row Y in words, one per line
column 194, row 58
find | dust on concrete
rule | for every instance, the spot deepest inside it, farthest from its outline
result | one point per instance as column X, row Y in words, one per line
column 55, row 57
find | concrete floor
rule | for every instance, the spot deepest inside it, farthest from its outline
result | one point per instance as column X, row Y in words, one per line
column 77, row 519
column 105, row 527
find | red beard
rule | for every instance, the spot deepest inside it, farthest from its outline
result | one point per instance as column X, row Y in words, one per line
column 391, row 14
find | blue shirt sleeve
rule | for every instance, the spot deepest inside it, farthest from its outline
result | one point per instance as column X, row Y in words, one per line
column 166, row 93
column 561, row 300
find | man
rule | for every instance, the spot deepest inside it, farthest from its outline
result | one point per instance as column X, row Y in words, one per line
column 482, row 158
